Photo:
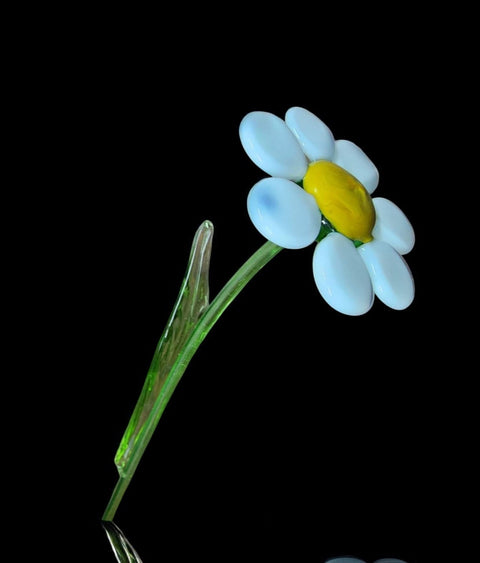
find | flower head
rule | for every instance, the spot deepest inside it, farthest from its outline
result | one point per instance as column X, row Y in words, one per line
column 320, row 189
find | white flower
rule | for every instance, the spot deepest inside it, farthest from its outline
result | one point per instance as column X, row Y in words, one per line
column 319, row 190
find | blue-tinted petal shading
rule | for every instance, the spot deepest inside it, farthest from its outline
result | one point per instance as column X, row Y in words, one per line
column 392, row 225
column 345, row 560
column 314, row 136
column 272, row 146
column 341, row 276
column 284, row 213
column 391, row 277
column 351, row 157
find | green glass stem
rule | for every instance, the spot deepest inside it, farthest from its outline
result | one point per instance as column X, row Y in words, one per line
column 158, row 389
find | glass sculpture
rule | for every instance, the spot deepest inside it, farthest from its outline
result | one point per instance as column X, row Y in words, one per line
column 318, row 192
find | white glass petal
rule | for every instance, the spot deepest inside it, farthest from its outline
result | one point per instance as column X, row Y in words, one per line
column 314, row 136
column 272, row 146
column 341, row 276
column 345, row 560
column 351, row 157
column 284, row 213
column 392, row 225
column 391, row 277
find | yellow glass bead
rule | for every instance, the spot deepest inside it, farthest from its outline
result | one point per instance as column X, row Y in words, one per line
column 342, row 199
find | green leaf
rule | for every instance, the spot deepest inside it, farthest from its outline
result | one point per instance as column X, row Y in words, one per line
column 191, row 320
column 192, row 301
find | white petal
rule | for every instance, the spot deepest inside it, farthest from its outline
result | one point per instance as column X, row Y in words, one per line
column 351, row 157
column 314, row 136
column 392, row 226
column 345, row 560
column 284, row 213
column 272, row 146
column 391, row 277
column 341, row 276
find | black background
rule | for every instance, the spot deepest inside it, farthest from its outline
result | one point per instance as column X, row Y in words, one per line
column 295, row 431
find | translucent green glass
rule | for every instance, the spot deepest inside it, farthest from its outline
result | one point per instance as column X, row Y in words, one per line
column 191, row 319
column 192, row 301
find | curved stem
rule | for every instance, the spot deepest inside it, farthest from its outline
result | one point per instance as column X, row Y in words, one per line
column 212, row 313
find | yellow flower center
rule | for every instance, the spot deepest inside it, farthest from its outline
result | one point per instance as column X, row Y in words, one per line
column 342, row 199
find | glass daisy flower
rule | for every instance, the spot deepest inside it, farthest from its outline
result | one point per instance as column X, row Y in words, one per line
column 319, row 190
